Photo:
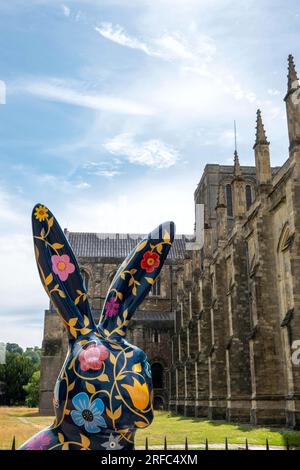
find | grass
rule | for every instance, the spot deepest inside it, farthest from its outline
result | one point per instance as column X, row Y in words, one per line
column 177, row 428
column 24, row 422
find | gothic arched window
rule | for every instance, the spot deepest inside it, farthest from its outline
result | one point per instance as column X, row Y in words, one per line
column 229, row 200
column 155, row 289
column 155, row 336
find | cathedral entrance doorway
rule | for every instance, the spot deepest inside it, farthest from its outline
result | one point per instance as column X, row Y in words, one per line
column 157, row 375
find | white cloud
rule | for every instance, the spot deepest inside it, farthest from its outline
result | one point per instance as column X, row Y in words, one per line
column 66, row 10
column 66, row 183
column 169, row 46
column 273, row 92
column 226, row 138
column 153, row 153
column 57, row 90
column 177, row 47
column 134, row 208
column 83, row 185
column 78, row 15
column 14, row 330
column 23, row 298
column 119, row 36
column 108, row 170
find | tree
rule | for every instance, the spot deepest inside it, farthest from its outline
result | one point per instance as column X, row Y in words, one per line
column 16, row 373
column 32, row 390
column 34, row 354
column 14, row 348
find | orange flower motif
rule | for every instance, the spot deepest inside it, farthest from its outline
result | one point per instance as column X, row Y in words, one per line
column 138, row 393
column 150, row 261
column 41, row 213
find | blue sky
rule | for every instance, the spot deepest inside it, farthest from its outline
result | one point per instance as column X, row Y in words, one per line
column 114, row 107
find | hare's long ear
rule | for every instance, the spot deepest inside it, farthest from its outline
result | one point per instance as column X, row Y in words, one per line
column 59, row 273
column 134, row 279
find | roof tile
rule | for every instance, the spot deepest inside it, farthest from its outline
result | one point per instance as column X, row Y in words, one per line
column 116, row 245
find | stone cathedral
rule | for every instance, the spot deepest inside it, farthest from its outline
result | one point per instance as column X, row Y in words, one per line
column 221, row 324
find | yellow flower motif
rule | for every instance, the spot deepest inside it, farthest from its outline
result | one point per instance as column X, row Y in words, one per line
column 41, row 213
column 138, row 393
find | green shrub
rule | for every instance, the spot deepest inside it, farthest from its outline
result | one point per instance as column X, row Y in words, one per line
column 15, row 373
column 32, row 390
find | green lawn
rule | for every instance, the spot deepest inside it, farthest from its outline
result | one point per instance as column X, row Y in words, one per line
column 24, row 422
column 177, row 428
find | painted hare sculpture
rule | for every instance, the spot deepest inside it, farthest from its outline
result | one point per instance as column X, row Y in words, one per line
column 104, row 390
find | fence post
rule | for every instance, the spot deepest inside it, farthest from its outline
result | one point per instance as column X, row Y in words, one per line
column 206, row 444
column 13, row 446
column 226, row 443
column 186, row 444
column 247, row 448
column 165, row 445
column 287, row 444
column 146, row 444
column 267, row 445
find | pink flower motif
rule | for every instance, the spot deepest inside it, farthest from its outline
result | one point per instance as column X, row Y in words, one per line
column 62, row 267
column 112, row 307
column 40, row 442
column 93, row 357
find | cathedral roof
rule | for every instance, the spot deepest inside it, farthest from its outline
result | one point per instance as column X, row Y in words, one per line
column 154, row 318
column 116, row 245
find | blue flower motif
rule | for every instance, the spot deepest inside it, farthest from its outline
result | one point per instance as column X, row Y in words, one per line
column 88, row 414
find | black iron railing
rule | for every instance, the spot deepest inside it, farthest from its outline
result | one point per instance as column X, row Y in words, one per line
column 204, row 446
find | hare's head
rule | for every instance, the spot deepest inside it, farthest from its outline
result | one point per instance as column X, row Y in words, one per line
column 105, row 383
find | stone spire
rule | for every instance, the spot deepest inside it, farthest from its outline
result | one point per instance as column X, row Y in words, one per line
column 292, row 102
column 261, row 137
column 293, row 82
column 238, row 189
column 262, row 154
column 236, row 166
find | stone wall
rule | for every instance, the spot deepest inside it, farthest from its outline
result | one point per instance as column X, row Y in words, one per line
column 245, row 287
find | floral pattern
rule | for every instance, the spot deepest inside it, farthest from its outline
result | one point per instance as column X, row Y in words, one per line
column 150, row 261
column 61, row 266
column 112, row 443
column 139, row 394
column 112, row 307
column 88, row 414
column 93, row 357
column 41, row 213
column 104, row 390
